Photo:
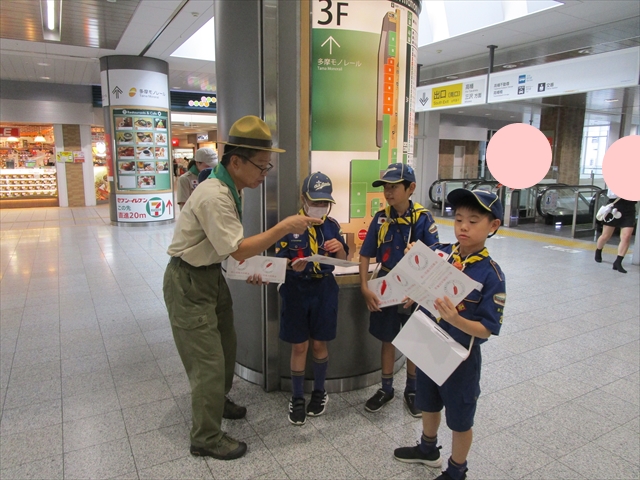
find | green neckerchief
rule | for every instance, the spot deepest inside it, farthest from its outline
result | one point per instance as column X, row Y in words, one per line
column 221, row 174
column 194, row 170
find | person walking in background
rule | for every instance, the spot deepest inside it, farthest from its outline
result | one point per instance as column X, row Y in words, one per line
column 205, row 158
column 622, row 215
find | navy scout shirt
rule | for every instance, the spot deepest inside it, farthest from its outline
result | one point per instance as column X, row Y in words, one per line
column 485, row 306
column 294, row 246
column 391, row 251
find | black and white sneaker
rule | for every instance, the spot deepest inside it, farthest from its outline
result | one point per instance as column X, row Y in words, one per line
column 409, row 401
column 415, row 455
column 318, row 403
column 379, row 400
column 297, row 415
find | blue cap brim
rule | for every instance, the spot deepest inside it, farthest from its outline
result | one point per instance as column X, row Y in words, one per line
column 320, row 197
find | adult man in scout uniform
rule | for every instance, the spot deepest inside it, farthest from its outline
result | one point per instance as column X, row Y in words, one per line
column 208, row 230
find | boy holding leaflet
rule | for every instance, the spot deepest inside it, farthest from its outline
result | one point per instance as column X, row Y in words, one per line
column 479, row 315
column 390, row 232
column 310, row 296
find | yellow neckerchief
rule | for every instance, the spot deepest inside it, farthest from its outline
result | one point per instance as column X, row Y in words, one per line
column 313, row 241
column 410, row 217
column 471, row 258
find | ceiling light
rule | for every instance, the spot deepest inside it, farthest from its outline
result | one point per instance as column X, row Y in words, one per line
column 452, row 77
column 487, row 114
column 460, row 111
column 584, row 51
column 51, row 14
column 39, row 138
column 12, row 139
column 46, row 78
column 512, row 116
column 510, row 65
column 611, row 100
column 44, row 64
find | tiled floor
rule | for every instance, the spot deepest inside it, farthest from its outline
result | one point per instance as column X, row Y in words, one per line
column 91, row 385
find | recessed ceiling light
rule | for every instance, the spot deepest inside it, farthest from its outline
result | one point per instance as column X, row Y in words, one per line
column 512, row 116
column 509, row 65
column 584, row 51
column 452, row 77
column 460, row 111
column 44, row 64
column 487, row 114
column 611, row 100
column 46, row 78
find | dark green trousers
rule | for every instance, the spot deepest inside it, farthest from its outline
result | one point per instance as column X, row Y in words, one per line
column 201, row 314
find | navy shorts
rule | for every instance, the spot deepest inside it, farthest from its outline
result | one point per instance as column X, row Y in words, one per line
column 459, row 394
column 386, row 324
column 309, row 309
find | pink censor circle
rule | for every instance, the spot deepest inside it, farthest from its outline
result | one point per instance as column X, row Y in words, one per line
column 519, row 155
column 621, row 167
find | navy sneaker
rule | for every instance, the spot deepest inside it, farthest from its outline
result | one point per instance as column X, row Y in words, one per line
column 409, row 401
column 379, row 400
column 297, row 415
column 415, row 455
column 446, row 476
column 318, row 403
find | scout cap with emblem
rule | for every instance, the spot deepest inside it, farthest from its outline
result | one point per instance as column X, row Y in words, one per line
column 251, row 132
column 396, row 173
column 317, row 187
column 487, row 200
column 208, row 156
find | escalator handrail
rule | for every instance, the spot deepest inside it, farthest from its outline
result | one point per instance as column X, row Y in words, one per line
column 574, row 188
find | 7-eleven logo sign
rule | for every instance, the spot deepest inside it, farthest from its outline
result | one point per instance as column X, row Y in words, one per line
column 155, row 207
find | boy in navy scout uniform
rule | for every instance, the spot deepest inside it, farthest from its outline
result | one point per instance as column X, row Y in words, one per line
column 389, row 234
column 477, row 217
column 310, row 296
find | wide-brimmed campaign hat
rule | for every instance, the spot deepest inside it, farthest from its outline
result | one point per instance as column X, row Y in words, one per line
column 251, row 132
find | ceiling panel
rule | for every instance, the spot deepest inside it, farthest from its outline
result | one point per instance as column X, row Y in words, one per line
column 90, row 23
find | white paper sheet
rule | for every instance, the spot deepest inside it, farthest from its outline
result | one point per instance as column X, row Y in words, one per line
column 423, row 276
column 272, row 269
column 327, row 261
column 388, row 289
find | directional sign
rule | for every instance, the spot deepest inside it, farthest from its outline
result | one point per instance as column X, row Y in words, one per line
column 116, row 91
column 331, row 41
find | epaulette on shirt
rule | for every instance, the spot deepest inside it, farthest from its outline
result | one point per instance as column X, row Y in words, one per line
column 497, row 269
column 334, row 221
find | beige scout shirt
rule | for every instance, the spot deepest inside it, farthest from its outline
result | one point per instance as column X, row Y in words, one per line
column 186, row 185
column 208, row 228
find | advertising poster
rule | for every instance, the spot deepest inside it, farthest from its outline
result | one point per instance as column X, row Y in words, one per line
column 363, row 70
column 142, row 150
column 141, row 164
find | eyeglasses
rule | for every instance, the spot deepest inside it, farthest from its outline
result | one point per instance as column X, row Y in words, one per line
column 263, row 170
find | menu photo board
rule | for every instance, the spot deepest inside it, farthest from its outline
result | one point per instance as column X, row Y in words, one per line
column 142, row 150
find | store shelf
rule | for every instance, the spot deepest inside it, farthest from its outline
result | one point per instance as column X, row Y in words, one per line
column 24, row 183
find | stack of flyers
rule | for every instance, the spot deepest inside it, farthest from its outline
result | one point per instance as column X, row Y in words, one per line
column 271, row 269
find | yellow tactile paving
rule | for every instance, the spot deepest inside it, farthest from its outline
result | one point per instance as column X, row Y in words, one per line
column 541, row 237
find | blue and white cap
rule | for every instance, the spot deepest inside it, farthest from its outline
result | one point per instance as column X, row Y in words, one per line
column 317, row 187
column 396, row 173
column 487, row 200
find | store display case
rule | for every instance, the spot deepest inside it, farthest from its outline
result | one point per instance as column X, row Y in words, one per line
column 28, row 183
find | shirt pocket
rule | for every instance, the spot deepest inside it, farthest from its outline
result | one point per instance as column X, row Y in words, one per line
column 298, row 249
column 470, row 303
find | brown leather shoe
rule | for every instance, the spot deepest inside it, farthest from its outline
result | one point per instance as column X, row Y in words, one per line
column 226, row 449
column 233, row 411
